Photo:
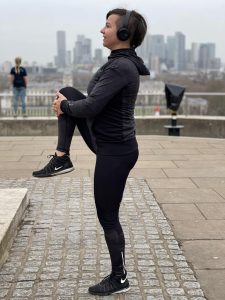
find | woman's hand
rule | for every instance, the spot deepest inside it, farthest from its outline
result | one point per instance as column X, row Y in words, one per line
column 56, row 103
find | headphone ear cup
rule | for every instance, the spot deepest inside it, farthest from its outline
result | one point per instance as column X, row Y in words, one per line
column 123, row 34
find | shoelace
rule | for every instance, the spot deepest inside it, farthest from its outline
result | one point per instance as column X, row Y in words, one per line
column 108, row 281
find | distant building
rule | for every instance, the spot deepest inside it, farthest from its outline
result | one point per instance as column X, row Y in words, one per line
column 67, row 79
column 188, row 60
column 216, row 63
column 144, row 50
column 33, row 70
column 155, row 64
column 6, row 67
column 195, row 54
column 179, row 54
column 82, row 50
column 157, row 46
column 48, row 70
column 61, row 50
column 207, row 53
column 98, row 57
column 170, row 50
column 68, row 58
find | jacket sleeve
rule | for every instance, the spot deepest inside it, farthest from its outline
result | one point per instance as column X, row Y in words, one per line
column 112, row 80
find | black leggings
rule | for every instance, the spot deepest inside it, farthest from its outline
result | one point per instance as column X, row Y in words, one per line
column 111, row 172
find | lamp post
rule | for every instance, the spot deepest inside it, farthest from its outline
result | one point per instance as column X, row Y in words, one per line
column 174, row 95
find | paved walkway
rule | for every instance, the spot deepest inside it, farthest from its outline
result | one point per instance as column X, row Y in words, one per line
column 58, row 251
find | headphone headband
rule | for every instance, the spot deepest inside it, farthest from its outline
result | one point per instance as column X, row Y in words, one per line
column 126, row 18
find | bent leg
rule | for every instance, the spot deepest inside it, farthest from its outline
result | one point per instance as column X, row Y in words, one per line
column 67, row 124
column 60, row 162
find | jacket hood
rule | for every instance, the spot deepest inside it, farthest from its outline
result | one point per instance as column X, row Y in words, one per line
column 132, row 55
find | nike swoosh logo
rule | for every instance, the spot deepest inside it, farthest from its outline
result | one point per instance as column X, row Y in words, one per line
column 56, row 169
column 123, row 280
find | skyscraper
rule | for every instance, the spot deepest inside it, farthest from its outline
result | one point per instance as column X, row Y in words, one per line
column 206, row 55
column 157, row 46
column 144, row 50
column 179, row 53
column 195, row 54
column 61, row 49
column 98, row 57
column 82, row 50
column 170, row 50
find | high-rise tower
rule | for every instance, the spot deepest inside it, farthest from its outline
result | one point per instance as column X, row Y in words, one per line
column 61, row 49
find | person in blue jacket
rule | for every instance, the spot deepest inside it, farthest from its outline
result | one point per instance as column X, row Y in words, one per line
column 105, row 119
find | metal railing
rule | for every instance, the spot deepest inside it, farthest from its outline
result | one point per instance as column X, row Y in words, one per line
column 147, row 104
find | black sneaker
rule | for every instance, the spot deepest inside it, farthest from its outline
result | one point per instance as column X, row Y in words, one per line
column 110, row 285
column 56, row 166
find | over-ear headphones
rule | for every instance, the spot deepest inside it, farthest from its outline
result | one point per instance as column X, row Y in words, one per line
column 123, row 33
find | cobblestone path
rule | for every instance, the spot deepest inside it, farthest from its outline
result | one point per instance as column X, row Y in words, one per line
column 60, row 249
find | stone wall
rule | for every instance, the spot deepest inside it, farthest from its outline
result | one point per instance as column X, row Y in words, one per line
column 213, row 127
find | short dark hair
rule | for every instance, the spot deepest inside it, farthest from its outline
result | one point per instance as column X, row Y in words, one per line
column 137, row 26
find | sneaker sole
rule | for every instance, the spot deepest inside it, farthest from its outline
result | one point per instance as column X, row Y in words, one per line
column 54, row 174
column 63, row 171
column 122, row 291
column 107, row 294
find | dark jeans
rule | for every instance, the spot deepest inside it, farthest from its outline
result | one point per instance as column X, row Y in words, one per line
column 111, row 172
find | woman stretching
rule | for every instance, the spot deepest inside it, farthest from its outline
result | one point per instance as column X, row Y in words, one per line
column 105, row 119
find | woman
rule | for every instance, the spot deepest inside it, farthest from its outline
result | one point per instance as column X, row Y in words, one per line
column 105, row 119
column 18, row 78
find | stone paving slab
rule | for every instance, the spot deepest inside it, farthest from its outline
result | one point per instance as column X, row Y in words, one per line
column 170, row 183
column 155, row 157
column 206, row 254
column 13, row 203
column 205, row 157
column 143, row 173
column 196, row 173
column 212, row 211
column 182, row 212
column 206, row 229
column 213, row 282
column 184, row 145
column 220, row 191
column 155, row 164
column 216, row 182
column 196, row 164
column 60, row 249
column 194, row 195
column 177, row 151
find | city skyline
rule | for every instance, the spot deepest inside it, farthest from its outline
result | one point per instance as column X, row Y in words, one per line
column 29, row 30
column 170, row 52
column 61, row 37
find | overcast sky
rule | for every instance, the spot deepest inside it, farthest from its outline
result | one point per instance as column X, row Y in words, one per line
column 28, row 28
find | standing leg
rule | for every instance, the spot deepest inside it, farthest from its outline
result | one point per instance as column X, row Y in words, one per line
column 111, row 173
column 15, row 100
column 23, row 99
